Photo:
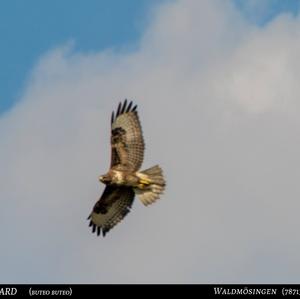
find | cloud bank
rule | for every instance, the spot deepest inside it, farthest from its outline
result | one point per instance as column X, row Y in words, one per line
column 219, row 104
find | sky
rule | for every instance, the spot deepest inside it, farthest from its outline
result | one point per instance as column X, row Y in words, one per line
column 217, row 92
column 30, row 28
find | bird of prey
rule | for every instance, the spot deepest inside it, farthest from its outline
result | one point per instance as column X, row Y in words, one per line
column 124, row 179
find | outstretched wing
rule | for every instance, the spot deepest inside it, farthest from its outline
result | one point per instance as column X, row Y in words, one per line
column 127, row 144
column 111, row 208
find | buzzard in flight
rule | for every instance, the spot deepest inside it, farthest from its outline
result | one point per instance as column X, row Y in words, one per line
column 124, row 180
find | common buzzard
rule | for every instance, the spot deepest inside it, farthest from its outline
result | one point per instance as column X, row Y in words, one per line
column 124, row 180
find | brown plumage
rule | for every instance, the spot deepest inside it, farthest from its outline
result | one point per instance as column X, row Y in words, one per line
column 123, row 180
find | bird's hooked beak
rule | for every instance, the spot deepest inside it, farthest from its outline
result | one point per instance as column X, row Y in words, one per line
column 104, row 179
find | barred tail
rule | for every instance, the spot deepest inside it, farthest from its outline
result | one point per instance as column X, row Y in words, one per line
column 156, row 185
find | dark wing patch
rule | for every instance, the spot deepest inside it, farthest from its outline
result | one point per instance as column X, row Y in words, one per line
column 127, row 141
column 118, row 152
column 111, row 208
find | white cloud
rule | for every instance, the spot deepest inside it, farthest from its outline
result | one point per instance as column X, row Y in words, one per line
column 218, row 100
column 261, row 73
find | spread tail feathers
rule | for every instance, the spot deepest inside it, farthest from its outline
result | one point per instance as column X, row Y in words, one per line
column 153, row 184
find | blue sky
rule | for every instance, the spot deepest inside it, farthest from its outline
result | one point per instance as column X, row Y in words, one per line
column 261, row 12
column 30, row 28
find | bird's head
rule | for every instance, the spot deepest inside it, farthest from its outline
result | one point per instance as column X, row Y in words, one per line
column 105, row 179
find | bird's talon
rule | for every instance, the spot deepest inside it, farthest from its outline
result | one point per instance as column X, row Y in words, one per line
column 144, row 181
